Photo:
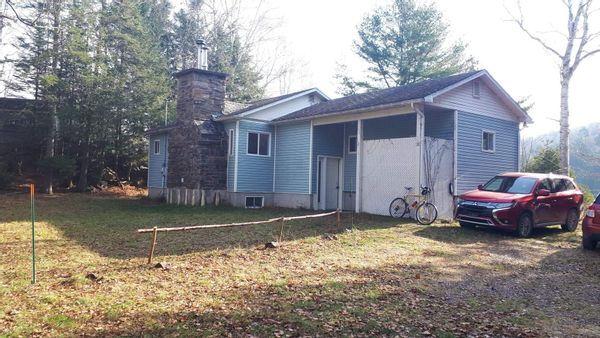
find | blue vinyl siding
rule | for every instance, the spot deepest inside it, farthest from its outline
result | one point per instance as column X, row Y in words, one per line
column 230, row 158
column 158, row 164
column 439, row 124
column 476, row 166
column 397, row 126
column 292, row 151
column 255, row 173
column 349, row 159
column 327, row 140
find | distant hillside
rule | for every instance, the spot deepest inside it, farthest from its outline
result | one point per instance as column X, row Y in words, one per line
column 585, row 153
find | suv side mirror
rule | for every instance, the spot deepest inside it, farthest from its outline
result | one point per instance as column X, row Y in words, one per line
column 480, row 187
column 543, row 192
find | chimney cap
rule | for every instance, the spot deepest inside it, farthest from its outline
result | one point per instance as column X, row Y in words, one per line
column 200, row 42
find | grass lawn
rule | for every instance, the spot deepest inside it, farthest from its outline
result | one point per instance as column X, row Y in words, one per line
column 383, row 278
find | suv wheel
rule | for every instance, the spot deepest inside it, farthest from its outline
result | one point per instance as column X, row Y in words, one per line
column 525, row 226
column 572, row 221
column 588, row 243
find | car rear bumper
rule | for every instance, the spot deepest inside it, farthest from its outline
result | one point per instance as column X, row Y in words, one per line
column 590, row 229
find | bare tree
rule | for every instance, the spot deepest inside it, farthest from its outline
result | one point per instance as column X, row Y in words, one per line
column 579, row 44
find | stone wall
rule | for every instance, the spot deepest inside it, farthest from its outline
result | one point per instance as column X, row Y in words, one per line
column 197, row 144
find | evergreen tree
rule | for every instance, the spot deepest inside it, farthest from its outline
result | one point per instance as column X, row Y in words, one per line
column 404, row 43
column 547, row 160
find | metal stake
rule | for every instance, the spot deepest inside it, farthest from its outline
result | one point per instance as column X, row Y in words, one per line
column 32, row 196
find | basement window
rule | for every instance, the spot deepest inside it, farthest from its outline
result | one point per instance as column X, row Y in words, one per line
column 254, row 202
column 156, row 147
column 259, row 143
column 488, row 142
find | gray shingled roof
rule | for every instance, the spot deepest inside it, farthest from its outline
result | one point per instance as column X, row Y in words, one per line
column 231, row 107
column 264, row 102
column 376, row 98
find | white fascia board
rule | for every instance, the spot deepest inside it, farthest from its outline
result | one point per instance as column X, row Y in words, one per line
column 355, row 114
column 272, row 104
column 495, row 86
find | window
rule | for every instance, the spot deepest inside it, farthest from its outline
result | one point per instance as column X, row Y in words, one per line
column 570, row 185
column 546, row 185
column 259, row 144
column 563, row 184
column 352, row 145
column 254, row 202
column 156, row 147
column 476, row 89
column 510, row 184
column 231, row 142
column 488, row 142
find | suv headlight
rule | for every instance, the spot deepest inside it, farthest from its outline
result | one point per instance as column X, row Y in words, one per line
column 590, row 213
column 503, row 205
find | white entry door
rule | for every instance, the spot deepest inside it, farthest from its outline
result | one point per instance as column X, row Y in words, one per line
column 329, row 183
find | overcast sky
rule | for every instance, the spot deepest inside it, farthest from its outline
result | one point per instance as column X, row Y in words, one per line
column 320, row 32
column 318, row 35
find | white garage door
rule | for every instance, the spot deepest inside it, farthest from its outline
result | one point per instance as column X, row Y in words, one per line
column 388, row 166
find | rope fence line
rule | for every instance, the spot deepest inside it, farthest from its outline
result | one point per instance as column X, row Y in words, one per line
column 280, row 220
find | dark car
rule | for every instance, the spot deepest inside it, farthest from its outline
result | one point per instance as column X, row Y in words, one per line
column 591, row 226
column 521, row 202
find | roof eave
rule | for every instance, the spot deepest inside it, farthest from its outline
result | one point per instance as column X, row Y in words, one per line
column 354, row 111
column 252, row 111
column 514, row 105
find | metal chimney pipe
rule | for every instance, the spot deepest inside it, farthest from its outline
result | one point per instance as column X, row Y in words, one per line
column 204, row 64
column 200, row 58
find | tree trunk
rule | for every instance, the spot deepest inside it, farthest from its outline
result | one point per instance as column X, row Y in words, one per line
column 564, row 126
column 83, row 171
column 50, row 148
column 54, row 122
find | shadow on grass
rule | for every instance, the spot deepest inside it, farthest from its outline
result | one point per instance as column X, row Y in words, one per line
column 108, row 225
column 459, row 235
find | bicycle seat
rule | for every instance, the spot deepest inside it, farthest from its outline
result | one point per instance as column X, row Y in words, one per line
column 408, row 188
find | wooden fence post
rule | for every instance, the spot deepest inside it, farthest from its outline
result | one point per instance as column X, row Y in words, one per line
column 281, row 230
column 152, row 245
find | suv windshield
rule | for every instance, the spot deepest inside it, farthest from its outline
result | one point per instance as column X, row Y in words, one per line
column 597, row 200
column 511, row 185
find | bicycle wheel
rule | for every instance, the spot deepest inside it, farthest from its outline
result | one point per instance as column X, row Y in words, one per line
column 398, row 208
column 426, row 213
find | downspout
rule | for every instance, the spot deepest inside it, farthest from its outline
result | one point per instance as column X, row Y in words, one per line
column 421, row 139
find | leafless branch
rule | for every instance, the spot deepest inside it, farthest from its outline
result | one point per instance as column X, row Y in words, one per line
column 520, row 21
column 30, row 23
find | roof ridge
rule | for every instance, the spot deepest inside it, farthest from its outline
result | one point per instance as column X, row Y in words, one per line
column 411, row 91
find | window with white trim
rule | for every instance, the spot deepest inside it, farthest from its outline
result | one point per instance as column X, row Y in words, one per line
column 156, row 147
column 352, row 144
column 231, row 142
column 488, row 141
column 259, row 144
column 254, row 202
column 476, row 89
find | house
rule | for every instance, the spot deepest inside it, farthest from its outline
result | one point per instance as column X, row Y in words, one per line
column 305, row 150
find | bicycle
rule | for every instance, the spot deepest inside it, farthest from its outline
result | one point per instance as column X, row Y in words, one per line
column 425, row 212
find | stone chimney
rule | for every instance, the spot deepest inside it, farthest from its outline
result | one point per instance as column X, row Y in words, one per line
column 197, row 144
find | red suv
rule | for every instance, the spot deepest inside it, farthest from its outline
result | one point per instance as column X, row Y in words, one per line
column 521, row 202
column 591, row 226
